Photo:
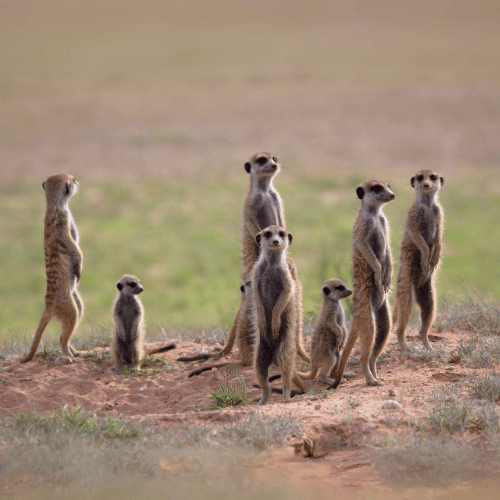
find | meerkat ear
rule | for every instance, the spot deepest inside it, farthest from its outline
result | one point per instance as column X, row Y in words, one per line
column 66, row 190
column 242, row 288
column 43, row 185
column 290, row 238
column 326, row 290
column 412, row 182
column 258, row 237
column 360, row 192
column 247, row 167
column 442, row 181
column 119, row 286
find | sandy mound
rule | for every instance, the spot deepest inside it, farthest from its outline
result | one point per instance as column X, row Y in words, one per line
column 165, row 394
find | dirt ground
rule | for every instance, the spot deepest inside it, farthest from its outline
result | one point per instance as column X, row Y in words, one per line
column 353, row 414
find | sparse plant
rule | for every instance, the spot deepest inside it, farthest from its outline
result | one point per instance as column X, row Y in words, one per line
column 478, row 351
column 228, row 394
column 472, row 313
column 485, row 387
column 435, row 356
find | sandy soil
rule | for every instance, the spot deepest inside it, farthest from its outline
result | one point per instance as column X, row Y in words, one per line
column 171, row 398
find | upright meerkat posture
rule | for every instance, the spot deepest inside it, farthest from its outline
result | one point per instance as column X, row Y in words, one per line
column 262, row 206
column 63, row 264
column 329, row 333
column 128, row 316
column 371, row 280
column 275, row 310
column 420, row 253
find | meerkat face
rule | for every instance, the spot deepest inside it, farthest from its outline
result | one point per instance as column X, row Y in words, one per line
column 274, row 238
column 335, row 289
column 427, row 181
column 375, row 192
column 60, row 186
column 263, row 165
column 246, row 288
column 129, row 285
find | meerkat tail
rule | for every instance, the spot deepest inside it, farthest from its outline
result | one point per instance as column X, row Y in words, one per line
column 206, row 369
column 44, row 321
column 162, row 349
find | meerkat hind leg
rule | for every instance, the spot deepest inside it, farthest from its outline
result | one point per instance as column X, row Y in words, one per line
column 425, row 299
column 383, row 322
column 262, row 364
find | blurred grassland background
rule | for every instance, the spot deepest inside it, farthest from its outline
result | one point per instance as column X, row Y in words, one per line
column 155, row 106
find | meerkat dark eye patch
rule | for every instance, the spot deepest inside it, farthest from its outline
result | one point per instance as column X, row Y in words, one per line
column 119, row 286
column 326, row 290
column 268, row 234
column 377, row 188
column 248, row 167
column 132, row 284
column 420, row 178
column 340, row 288
column 261, row 160
column 282, row 234
column 433, row 177
column 275, row 159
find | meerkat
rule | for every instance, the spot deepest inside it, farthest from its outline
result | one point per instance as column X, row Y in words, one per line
column 275, row 312
column 63, row 264
column 128, row 315
column 419, row 258
column 372, row 276
column 262, row 206
column 329, row 332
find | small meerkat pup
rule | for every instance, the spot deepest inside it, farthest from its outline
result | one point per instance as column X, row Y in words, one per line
column 63, row 264
column 329, row 332
column 128, row 316
column 419, row 258
column 262, row 206
column 371, row 280
column 275, row 312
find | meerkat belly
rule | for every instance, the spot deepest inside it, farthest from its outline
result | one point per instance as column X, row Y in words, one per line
column 271, row 289
column 265, row 211
column 427, row 226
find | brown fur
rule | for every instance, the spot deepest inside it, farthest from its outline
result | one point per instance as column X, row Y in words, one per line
column 262, row 207
column 329, row 332
column 419, row 258
column 275, row 312
column 63, row 264
column 372, row 275
column 128, row 315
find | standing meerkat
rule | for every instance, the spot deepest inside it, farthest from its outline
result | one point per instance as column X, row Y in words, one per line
column 371, row 280
column 262, row 206
column 275, row 312
column 63, row 264
column 329, row 333
column 128, row 316
column 419, row 259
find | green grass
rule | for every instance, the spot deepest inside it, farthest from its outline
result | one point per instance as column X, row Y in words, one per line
column 182, row 240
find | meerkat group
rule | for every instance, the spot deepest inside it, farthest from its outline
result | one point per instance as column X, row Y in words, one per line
column 268, row 324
